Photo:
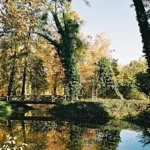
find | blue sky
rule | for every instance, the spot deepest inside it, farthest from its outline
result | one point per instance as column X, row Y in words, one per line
column 117, row 19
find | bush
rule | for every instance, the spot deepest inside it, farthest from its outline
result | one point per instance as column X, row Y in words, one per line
column 134, row 93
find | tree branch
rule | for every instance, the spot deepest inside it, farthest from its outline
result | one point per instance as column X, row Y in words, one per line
column 57, row 22
column 53, row 42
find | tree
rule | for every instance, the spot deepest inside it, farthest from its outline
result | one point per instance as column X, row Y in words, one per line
column 75, row 134
column 37, row 76
column 127, row 80
column 19, row 18
column 143, row 82
column 110, row 139
column 95, row 49
column 66, row 25
column 143, row 23
column 107, row 78
column 115, row 67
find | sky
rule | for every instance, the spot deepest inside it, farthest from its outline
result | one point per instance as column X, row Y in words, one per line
column 118, row 20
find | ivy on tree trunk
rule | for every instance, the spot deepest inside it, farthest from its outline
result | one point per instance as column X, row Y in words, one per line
column 142, row 19
column 67, row 30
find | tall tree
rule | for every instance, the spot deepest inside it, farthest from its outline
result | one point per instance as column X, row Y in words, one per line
column 107, row 78
column 96, row 48
column 66, row 25
column 18, row 19
column 143, row 23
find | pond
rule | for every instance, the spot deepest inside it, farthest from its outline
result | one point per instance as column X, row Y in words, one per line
column 36, row 130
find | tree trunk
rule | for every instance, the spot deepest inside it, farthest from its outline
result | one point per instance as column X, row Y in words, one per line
column 24, row 78
column 72, row 79
column 144, row 28
column 55, row 85
column 12, row 74
column 72, row 84
column 93, row 89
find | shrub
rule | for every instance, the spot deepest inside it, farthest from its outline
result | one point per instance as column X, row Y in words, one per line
column 134, row 93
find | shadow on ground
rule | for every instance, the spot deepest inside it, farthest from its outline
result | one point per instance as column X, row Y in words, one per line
column 83, row 113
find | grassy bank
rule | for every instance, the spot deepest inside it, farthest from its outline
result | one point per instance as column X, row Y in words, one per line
column 100, row 109
column 121, row 109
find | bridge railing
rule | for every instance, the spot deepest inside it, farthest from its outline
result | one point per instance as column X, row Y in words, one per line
column 35, row 98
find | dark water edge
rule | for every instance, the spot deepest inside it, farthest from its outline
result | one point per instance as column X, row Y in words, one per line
column 40, row 129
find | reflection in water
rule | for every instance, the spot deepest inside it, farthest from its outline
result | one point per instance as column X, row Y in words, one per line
column 75, row 136
column 109, row 139
column 132, row 140
column 145, row 137
column 38, row 133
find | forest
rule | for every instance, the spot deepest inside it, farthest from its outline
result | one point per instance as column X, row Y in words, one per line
column 43, row 52
column 43, row 49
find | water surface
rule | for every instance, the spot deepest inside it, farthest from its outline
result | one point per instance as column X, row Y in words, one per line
column 36, row 130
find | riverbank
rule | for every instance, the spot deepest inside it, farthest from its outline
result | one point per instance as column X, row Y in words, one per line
column 121, row 109
column 96, row 111
column 102, row 109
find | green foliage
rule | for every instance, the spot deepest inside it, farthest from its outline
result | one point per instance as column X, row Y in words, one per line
column 67, row 24
column 134, row 93
column 126, row 86
column 114, row 65
column 75, row 134
column 143, row 22
column 127, row 80
column 107, row 78
column 5, row 109
column 121, row 109
column 110, row 139
column 128, row 72
column 143, row 82
column 144, row 118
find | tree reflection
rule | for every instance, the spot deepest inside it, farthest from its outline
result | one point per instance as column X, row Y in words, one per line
column 100, row 139
column 75, row 135
column 52, row 135
column 109, row 140
column 145, row 138
column 42, row 126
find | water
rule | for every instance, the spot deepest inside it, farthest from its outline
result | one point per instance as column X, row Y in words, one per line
column 36, row 130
